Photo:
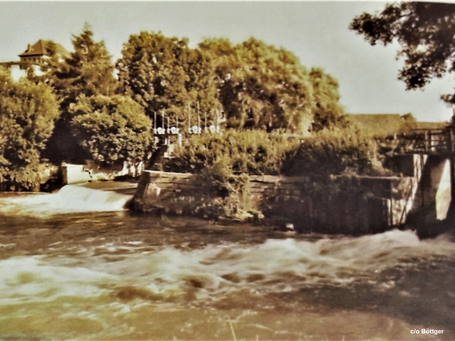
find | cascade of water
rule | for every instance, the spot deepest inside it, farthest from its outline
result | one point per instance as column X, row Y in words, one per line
column 70, row 199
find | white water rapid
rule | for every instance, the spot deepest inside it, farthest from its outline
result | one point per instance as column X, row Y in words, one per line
column 75, row 265
column 69, row 199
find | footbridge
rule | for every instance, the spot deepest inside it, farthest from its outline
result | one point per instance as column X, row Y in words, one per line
column 432, row 152
column 419, row 197
column 428, row 141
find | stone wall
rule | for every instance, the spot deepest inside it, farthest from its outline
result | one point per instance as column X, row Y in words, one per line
column 339, row 204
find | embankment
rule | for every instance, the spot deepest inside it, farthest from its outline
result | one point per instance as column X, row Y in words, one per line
column 337, row 204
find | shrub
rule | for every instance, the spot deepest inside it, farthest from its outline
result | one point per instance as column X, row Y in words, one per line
column 224, row 161
column 335, row 152
column 112, row 129
column 225, row 192
column 252, row 152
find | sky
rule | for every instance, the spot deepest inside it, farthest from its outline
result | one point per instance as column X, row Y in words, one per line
column 316, row 32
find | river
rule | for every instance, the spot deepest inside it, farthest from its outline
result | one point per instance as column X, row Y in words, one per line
column 75, row 266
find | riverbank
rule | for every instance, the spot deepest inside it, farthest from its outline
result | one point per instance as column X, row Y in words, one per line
column 419, row 199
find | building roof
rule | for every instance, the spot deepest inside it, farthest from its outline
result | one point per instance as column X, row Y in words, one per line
column 431, row 125
column 389, row 124
column 41, row 48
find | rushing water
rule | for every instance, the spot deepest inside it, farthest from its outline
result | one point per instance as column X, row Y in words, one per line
column 74, row 266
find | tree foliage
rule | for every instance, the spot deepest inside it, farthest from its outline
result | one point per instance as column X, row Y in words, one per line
column 425, row 31
column 87, row 71
column 260, row 86
column 167, row 78
column 111, row 129
column 256, row 85
column 27, row 115
column 328, row 112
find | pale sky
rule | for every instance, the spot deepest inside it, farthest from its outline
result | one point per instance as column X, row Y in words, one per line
column 317, row 32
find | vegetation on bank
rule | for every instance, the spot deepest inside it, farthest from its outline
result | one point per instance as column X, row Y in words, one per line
column 336, row 152
column 252, row 152
column 223, row 163
column 27, row 115
column 266, row 98
column 111, row 129
column 328, row 152
column 106, row 111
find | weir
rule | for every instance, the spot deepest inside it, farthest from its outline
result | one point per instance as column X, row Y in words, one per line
column 347, row 204
column 69, row 199
column 420, row 197
column 432, row 202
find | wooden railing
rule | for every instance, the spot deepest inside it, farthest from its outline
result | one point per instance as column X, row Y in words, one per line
column 427, row 141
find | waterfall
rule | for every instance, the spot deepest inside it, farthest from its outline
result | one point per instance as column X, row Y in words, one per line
column 70, row 199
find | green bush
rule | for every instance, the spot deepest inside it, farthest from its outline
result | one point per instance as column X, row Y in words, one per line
column 335, row 152
column 225, row 192
column 224, row 161
column 329, row 152
column 111, row 129
column 251, row 152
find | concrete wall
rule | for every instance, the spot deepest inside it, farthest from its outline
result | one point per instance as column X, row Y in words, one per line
column 72, row 173
column 340, row 204
column 354, row 205
column 433, row 193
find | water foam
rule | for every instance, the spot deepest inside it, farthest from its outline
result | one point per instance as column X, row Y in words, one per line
column 70, row 199
column 32, row 279
column 217, row 271
column 276, row 265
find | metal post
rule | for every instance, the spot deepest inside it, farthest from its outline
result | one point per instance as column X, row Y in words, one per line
column 426, row 141
column 452, row 163
column 422, row 194
column 189, row 118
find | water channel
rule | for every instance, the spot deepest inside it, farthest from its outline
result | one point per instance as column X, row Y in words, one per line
column 75, row 266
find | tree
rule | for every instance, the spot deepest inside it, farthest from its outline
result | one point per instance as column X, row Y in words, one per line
column 260, row 86
column 27, row 115
column 111, row 130
column 425, row 31
column 165, row 77
column 87, row 71
column 328, row 112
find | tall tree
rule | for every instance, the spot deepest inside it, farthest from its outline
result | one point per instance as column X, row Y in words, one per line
column 328, row 112
column 27, row 115
column 425, row 31
column 165, row 77
column 87, row 71
column 260, row 86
